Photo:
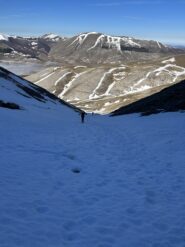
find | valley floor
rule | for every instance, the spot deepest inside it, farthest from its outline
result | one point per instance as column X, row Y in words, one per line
column 111, row 182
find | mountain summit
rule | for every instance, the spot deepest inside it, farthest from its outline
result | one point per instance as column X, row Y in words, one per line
column 100, row 48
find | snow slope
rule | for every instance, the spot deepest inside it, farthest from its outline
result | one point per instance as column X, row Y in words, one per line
column 27, row 96
column 52, row 37
column 111, row 182
column 4, row 37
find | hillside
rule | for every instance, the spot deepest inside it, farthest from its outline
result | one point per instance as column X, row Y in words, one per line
column 108, row 182
column 103, row 89
column 170, row 99
column 19, row 94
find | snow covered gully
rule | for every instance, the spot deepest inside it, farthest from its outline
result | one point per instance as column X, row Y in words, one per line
column 110, row 182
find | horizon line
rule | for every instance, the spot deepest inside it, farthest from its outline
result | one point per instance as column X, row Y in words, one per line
column 162, row 40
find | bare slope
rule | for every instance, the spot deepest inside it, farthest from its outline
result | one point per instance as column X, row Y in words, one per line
column 106, row 88
column 170, row 99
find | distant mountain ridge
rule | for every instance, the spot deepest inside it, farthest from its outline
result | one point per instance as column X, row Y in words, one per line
column 87, row 48
column 100, row 48
column 27, row 47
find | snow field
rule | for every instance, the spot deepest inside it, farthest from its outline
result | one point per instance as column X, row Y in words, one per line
column 109, row 182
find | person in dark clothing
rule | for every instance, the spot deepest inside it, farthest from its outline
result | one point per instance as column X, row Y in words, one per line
column 82, row 116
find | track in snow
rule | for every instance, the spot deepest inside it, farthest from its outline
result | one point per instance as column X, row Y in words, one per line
column 109, row 182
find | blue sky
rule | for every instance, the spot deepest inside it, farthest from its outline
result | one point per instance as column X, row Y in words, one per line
column 160, row 19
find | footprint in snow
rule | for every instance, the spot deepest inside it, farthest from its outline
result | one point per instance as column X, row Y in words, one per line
column 76, row 170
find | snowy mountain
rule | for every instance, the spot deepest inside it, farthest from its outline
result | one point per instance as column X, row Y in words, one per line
column 52, row 37
column 89, row 48
column 110, row 182
column 4, row 37
column 17, row 93
column 15, row 47
column 97, row 48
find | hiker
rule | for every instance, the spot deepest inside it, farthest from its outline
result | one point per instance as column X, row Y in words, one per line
column 82, row 116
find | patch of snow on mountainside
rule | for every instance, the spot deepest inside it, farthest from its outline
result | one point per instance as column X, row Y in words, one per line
column 133, row 90
column 176, row 72
column 94, row 95
column 47, row 76
column 143, row 79
column 99, row 40
column 111, row 41
column 4, row 37
column 158, row 43
column 34, row 43
column 173, row 70
column 51, row 36
column 63, row 76
column 170, row 60
column 110, row 88
column 70, row 83
column 116, row 77
column 114, row 42
column 81, row 38
column 80, row 66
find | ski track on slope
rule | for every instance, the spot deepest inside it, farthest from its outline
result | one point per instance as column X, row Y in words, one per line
column 129, row 192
